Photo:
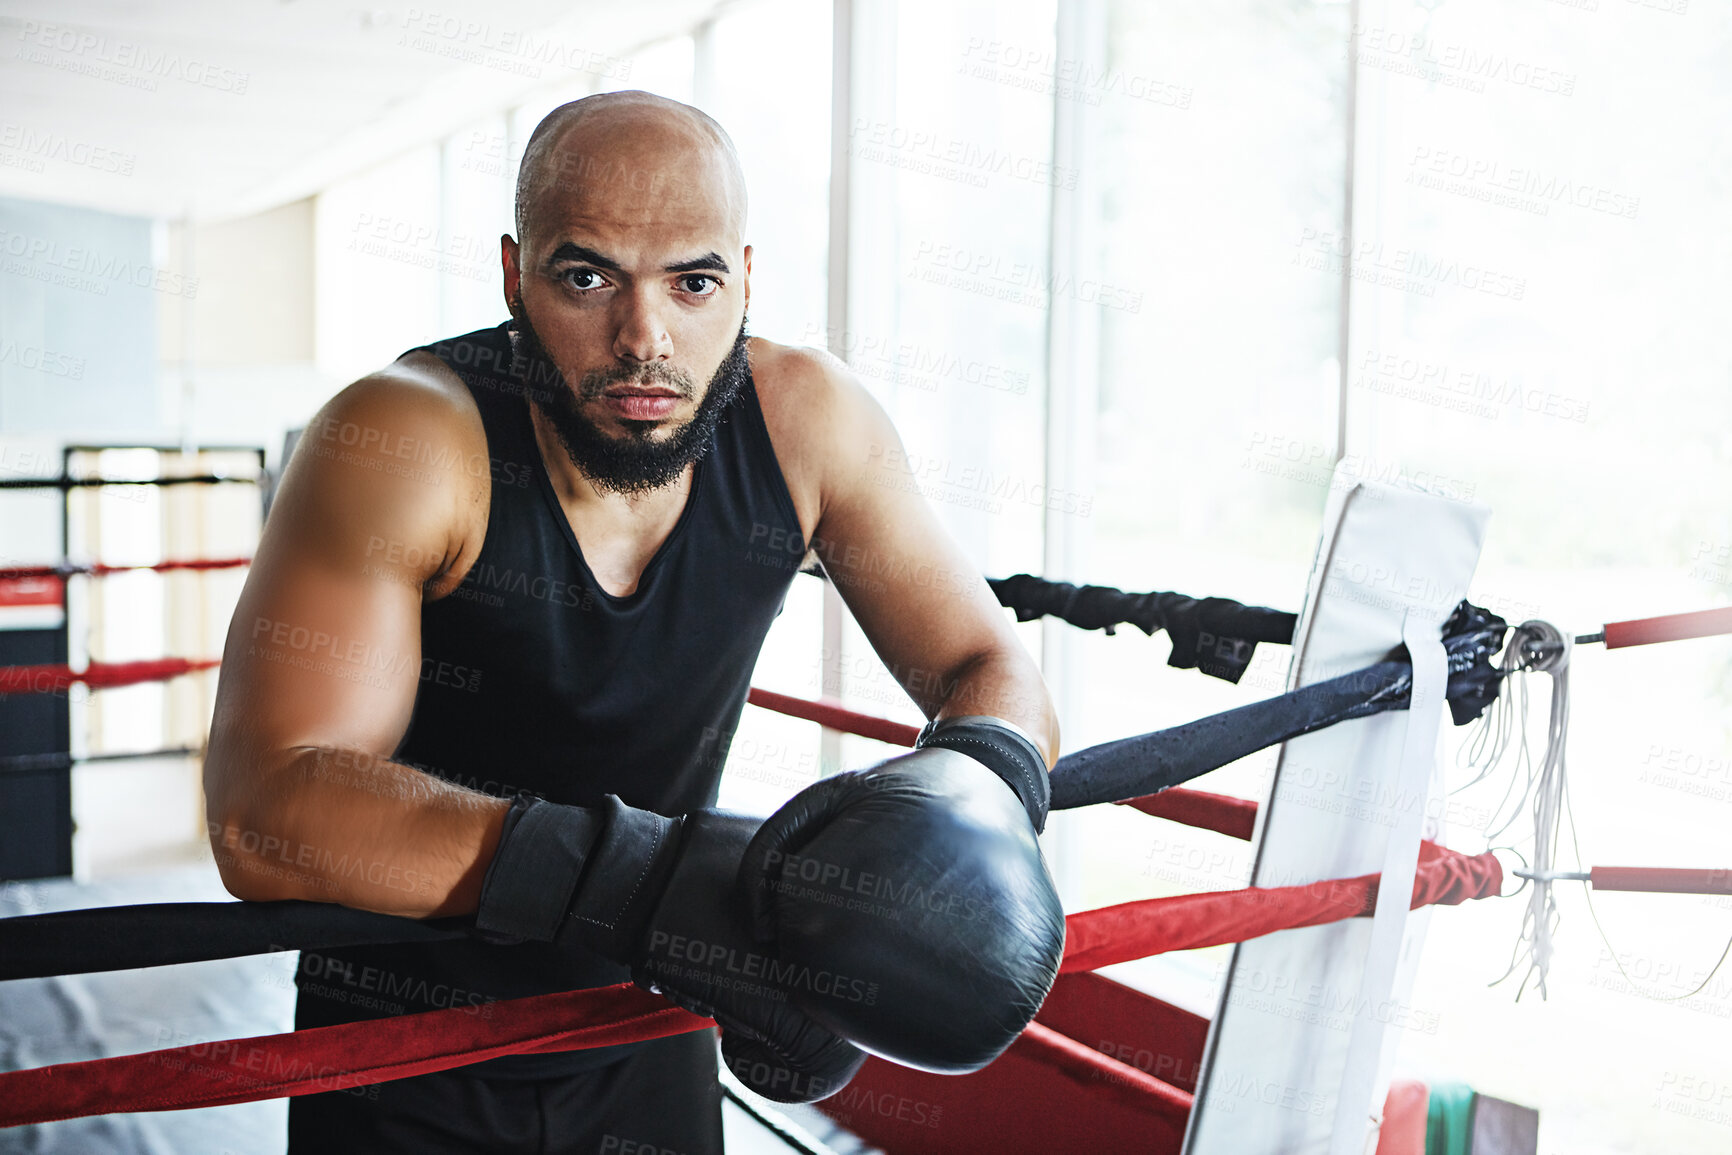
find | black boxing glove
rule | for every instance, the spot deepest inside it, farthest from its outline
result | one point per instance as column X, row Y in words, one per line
column 922, row 878
column 658, row 894
column 1002, row 748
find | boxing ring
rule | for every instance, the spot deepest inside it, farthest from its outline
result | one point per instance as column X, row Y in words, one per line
column 1103, row 1064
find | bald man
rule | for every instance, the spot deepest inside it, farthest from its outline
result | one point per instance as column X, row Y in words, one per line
column 539, row 561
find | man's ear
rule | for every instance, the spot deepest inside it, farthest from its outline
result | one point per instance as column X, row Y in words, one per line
column 748, row 281
column 509, row 252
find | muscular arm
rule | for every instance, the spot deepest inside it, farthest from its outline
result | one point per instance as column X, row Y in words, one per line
column 323, row 659
column 923, row 605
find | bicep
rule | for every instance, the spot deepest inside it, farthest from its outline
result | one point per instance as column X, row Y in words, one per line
column 324, row 646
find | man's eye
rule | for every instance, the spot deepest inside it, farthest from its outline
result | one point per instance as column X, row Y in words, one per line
column 699, row 284
column 582, row 278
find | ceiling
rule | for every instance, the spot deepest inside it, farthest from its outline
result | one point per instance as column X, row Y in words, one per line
column 209, row 109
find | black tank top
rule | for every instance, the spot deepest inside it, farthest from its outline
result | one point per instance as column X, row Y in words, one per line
column 535, row 678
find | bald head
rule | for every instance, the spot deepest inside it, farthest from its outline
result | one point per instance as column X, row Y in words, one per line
column 647, row 149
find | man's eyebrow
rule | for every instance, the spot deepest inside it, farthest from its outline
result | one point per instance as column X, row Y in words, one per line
column 570, row 251
column 699, row 264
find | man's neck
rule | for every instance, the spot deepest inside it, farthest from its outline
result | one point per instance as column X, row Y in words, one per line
column 582, row 497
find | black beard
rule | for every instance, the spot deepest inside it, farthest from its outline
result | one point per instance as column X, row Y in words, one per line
column 633, row 464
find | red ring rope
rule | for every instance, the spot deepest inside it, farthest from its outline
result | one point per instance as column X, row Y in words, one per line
column 836, row 717
column 70, row 569
column 1222, row 813
column 333, row 1058
column 1661, row 879
column 353, row 1054
column 55, row 678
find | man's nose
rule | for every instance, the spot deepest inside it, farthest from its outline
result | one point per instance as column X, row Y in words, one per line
column 640, row 334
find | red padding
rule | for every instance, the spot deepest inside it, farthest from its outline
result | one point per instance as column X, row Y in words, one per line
column 29, row 590
column 1046, row 1093
column 1222, row 813
column 57, row 678
column 1133, row 930
column 1661, row 879
column 1404, row 1118
column 332, row 1058
column 835, row 717
column 1123, row 1023
column 1670, row 628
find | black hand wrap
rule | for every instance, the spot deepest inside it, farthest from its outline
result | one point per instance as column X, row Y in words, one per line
column 527, row 890
column 1001, row 748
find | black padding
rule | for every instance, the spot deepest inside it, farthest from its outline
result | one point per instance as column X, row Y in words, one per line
column 1218, row 636
column 155, row 934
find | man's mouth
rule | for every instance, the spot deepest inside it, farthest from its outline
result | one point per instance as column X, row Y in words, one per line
column 641, row 402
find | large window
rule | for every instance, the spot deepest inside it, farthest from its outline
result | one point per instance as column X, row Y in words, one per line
column 1536, row 266
column 1557, row 177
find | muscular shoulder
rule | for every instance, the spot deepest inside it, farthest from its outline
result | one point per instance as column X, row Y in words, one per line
column 415, row 396
column 822, row 421
column 404, row 446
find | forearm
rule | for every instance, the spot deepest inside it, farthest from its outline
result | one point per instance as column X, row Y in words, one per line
column 1005, row 684
column 345, row 826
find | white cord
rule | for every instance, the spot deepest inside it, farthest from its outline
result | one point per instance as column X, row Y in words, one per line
column 1534, row 647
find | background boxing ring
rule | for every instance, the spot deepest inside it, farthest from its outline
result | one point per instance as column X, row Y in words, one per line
column 1253, row 171
column 1086, row 997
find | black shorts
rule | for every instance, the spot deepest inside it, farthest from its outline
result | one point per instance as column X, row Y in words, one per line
column 662, row 1100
